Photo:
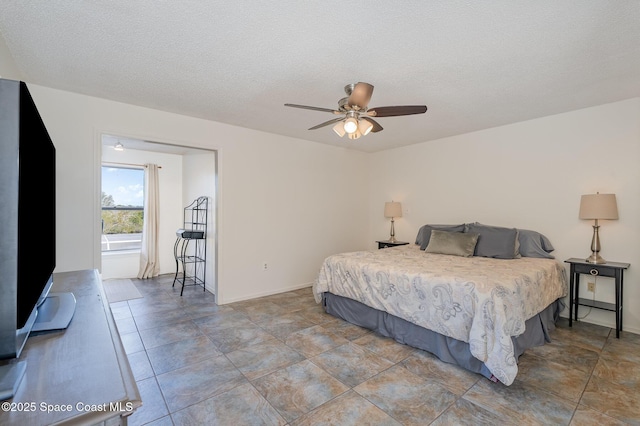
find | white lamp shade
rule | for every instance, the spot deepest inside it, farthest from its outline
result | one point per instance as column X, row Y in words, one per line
column 392, row 209
column 350, row 125
column 339, row 128
column 598, row 206
column 365, row 127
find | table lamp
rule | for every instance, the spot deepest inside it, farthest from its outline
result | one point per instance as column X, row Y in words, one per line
column 595, row 207
column 392, row 209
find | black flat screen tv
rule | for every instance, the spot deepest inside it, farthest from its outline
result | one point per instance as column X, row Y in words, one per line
column 27, row 218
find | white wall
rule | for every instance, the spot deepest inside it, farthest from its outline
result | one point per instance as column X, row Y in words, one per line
column 528, row 175
column 127, row 264
column 285, row 201
column 200, row 179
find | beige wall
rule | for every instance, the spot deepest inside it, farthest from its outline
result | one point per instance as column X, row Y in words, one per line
column 285, row 201
column 528, row 175
column 199, row 176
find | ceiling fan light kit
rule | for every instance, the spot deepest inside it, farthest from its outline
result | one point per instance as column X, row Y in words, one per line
column 353, row 127
column 356, row 120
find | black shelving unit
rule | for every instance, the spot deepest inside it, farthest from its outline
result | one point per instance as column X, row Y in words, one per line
column 190, row 248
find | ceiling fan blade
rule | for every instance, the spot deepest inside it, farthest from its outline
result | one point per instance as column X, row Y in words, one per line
column 326, row 123
column 360, row 95
column 333, row 111
column 394, row 111
column 376, row 126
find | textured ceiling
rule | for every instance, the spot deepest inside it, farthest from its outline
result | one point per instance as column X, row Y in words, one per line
column 475, row 64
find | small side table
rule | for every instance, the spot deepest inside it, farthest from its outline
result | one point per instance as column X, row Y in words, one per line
column 193, row 263
column 610, row 269
column 386, row 243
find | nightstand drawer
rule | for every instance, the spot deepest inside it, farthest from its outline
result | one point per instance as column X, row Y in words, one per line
column 600, row 270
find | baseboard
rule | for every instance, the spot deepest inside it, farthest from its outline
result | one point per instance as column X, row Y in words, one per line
column 265, row 293
column 625, row 329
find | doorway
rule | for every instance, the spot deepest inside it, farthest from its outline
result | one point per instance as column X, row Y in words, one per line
column 185, row 174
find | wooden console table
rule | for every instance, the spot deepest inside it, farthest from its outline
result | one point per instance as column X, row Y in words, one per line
column 78, row 376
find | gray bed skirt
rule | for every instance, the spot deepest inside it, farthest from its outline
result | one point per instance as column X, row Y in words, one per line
column 446, row 348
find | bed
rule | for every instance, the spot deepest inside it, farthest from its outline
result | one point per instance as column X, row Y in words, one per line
column 477, row 300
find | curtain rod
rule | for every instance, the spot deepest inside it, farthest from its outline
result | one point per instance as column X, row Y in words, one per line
column 126, row 164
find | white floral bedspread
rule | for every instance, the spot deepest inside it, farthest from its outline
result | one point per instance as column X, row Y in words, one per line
column 478, row 300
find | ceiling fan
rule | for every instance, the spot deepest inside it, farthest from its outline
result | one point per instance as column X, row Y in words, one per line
column 355, row 115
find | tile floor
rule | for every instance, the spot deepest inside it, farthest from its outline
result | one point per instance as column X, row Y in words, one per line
column 281, row 360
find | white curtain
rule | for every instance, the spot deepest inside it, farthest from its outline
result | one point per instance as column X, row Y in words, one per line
column 149, row 265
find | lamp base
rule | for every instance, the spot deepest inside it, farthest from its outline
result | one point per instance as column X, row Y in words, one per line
column 392, row 234
column 595, row 246
column 595, row 258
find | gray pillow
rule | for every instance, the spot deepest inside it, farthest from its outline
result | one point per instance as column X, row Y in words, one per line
column 534, row 244
column 454, row 243
column 495, row 241
column 546, row 244
column 422, row 239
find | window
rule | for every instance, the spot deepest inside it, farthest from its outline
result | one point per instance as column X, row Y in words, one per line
column 122, row 208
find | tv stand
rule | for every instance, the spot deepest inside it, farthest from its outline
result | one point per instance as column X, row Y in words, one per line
column 10, row 378
column 55, row 313
column 83, row 369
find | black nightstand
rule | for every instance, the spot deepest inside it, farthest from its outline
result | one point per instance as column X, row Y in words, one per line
column 610, row 269
column 387, row 243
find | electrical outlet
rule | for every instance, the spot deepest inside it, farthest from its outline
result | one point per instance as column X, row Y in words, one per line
column 265, row 266
column 591, row 287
